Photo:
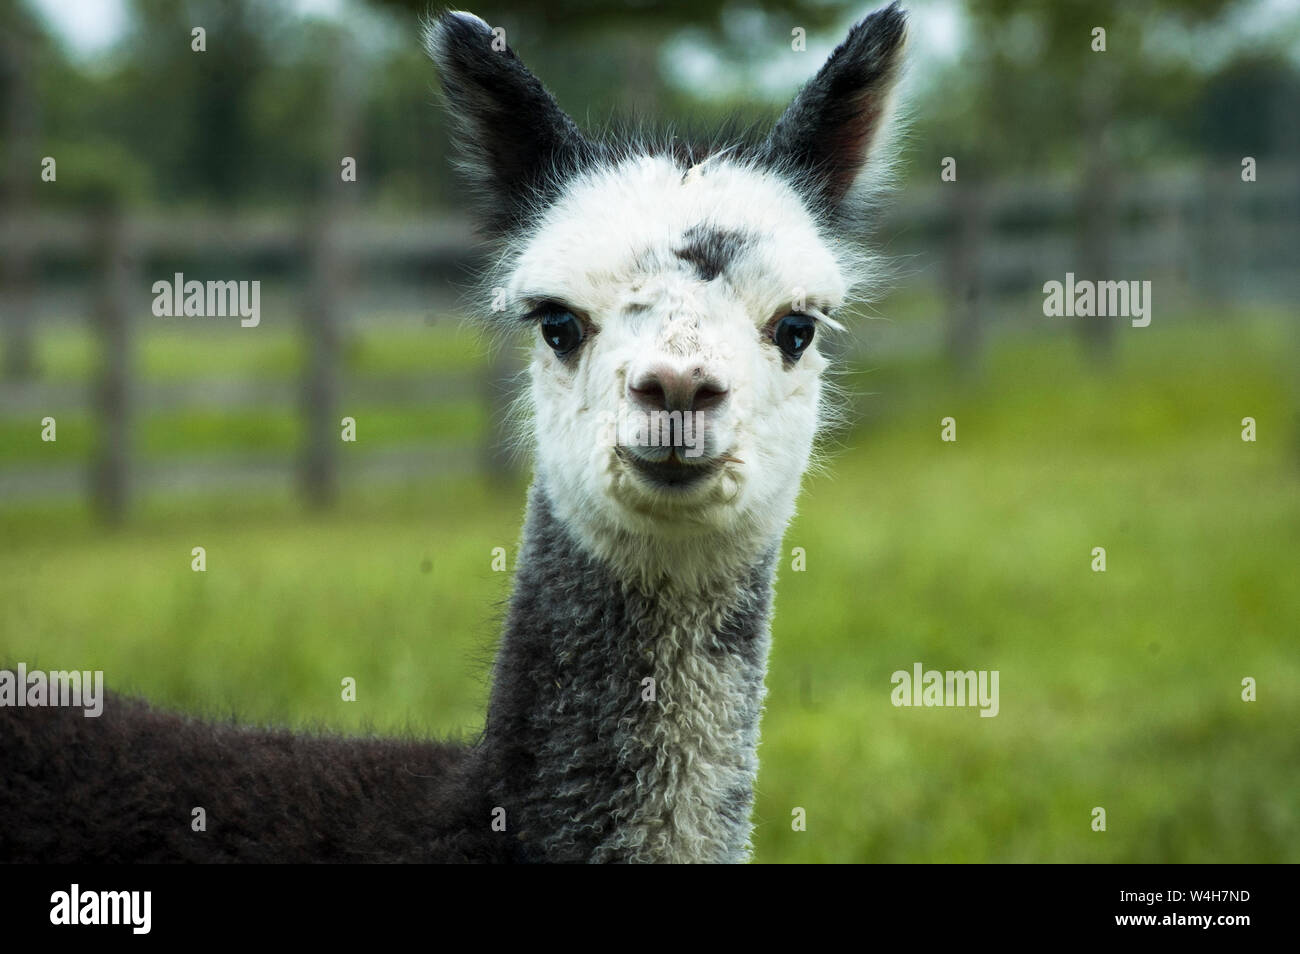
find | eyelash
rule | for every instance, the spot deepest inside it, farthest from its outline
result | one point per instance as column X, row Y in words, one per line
column 825, row 318
column 546, row 307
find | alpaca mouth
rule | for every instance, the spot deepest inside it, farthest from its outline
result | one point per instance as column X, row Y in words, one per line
column 674, row 473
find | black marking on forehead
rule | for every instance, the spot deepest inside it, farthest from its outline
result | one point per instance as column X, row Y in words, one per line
column 709, row 251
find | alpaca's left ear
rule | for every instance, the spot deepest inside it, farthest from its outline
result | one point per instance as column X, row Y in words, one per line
column 515, row 141
column 835, row 125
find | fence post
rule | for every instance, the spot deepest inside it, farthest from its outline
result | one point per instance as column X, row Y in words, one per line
column 1221, row 238
column 1096, row 207
column 1292, row 286
column 499, row 380
column 964, row 285
column 326, row 283
column 110, row 466
column 19, row 110
column 320, row 386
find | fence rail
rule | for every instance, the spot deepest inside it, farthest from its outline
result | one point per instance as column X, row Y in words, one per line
column 323, row 254
column 1208, row 232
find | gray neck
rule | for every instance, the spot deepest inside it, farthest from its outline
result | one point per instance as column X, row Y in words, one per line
column 586, row 764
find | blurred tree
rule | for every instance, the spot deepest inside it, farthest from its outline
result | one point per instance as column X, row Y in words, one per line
column 193, row 111
column 1249, row 107
column 1074, row 105
column 21, row 42
column 606, row 55
column 576, row 16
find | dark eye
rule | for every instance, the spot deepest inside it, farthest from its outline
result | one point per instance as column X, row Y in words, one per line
column 562, row 331
column 793, row 334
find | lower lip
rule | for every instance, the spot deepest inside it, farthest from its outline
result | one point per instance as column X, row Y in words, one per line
column 673, row 477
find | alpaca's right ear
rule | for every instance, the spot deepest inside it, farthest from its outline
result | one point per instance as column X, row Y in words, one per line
column 516, row 142
column 832, row 131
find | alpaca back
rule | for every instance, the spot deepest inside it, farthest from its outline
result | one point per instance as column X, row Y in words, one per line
column 123, row 788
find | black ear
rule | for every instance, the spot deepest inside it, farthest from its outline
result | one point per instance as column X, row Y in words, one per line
column 516, row 142
column 829, row 132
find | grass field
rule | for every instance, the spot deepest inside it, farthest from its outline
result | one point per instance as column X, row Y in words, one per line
column 1119, row 690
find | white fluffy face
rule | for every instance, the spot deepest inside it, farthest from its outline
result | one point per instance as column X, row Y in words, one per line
column 659, row 290
column 689, row 273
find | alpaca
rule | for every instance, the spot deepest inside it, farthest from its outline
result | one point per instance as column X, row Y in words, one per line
column 686, row 284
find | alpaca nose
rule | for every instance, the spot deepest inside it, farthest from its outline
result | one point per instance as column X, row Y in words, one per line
column 665, row 388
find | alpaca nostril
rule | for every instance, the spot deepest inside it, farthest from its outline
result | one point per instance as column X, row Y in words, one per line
column 651, row 395
column 708, row 396
column 668, row 389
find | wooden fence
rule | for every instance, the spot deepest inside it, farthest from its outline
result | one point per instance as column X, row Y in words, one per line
column 1203, row 235
column 326, row 256
column 1209, row 234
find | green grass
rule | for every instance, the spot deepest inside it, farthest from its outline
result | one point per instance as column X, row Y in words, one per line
column 1119, row 689
column 184, row 351
column 66, row 355
column 161, row 434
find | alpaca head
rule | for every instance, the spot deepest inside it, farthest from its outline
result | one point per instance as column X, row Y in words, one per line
column 676, row 293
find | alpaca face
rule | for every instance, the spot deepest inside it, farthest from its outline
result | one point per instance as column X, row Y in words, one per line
column 685, row 391
column 677, row 295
